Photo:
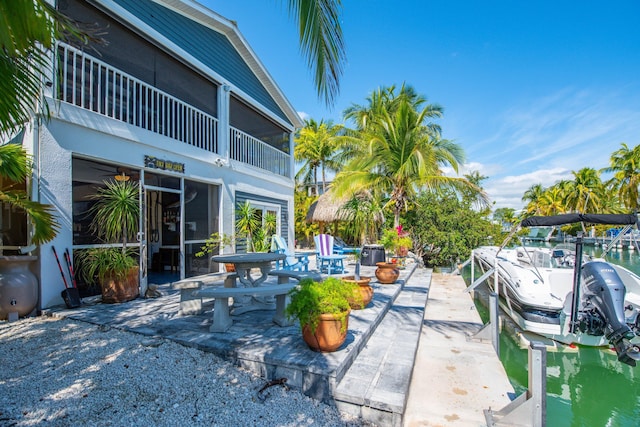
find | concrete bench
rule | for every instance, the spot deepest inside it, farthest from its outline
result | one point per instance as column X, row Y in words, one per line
column 284, row 275
column 221, row 318
column 191, row 304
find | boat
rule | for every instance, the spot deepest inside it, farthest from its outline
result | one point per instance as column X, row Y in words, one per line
column 561, row 293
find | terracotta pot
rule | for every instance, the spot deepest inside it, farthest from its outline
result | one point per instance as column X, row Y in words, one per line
column 230, row 268
column 329, row 334
column 114, row 291
column 387, row 272
column 366, row 291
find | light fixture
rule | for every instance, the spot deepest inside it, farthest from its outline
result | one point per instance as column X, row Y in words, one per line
column 122, row 177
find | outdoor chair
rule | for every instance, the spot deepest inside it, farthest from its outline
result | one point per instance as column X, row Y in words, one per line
column 291, row 262
column 340, row 247
column 326, row 259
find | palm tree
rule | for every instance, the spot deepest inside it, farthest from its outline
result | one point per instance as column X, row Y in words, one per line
column 584, row 192
column 321, row 42
column 532, row 197
column 625, row 165
column 316, row 146
column 397, row 152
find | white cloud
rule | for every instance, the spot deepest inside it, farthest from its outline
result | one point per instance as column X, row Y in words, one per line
column 303, row 115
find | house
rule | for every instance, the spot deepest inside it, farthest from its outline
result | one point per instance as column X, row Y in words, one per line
column 172, row 96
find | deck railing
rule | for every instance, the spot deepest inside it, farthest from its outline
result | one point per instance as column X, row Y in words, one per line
column 89, row 83
column 247, row 149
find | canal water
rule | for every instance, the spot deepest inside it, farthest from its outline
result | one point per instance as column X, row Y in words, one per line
column 586, row 387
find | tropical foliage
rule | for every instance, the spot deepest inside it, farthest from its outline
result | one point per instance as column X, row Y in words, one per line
column 316, row 149
column 321, row 42
column 444, row 228
column 396, row 150
column 14, row 170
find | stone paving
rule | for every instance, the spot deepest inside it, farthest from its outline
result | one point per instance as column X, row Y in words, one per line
column 368, row 376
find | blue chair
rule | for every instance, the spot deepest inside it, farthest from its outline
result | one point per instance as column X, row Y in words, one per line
column 340, row 247
column 326, row 259
column 292, row 262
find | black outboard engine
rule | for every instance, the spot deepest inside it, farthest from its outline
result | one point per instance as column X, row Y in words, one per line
column 602, row 309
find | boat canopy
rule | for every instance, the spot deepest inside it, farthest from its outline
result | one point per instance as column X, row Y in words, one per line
column 612, row 219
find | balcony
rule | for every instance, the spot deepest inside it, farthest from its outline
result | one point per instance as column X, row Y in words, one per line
column 88, row 83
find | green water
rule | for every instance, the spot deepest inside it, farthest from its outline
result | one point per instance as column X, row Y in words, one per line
column 584, row 388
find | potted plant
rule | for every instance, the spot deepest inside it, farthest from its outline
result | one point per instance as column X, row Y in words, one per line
column 215, row 243
column 322, row 309
column 396, row 241
column 365, row 290
column 115, row 218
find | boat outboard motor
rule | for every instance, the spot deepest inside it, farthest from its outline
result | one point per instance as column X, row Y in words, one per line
column 602, row 309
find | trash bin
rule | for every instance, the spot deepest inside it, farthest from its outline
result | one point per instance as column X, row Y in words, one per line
column 371, row 254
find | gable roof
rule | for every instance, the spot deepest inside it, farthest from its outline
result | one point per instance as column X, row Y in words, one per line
column 214, row 42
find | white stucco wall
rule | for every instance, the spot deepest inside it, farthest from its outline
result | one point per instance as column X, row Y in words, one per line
column 76, row 132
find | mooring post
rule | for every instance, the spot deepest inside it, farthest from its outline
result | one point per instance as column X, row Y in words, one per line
column 495, row 322
column 530, row 408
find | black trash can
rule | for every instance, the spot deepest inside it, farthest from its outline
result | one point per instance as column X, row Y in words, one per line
column 371, row 254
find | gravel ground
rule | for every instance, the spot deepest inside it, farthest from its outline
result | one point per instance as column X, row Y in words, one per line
column 59, row 372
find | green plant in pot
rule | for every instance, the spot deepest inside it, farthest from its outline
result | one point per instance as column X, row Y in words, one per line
column 116, row 215
column 322, row 309
column 396, row 241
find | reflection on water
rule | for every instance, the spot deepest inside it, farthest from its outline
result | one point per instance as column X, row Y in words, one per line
column 587, row 387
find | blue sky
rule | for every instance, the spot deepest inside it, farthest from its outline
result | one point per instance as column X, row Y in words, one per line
column 531, row 90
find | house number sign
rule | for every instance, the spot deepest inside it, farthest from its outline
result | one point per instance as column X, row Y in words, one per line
column 154, row 162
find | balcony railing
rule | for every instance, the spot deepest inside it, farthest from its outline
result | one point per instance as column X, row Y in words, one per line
column 247, row 149
column 89, row 83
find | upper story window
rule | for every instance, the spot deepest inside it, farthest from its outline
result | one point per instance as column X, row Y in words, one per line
column 248, row 120
column 125, row 50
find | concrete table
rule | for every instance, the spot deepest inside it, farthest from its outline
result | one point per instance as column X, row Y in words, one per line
column 244, row 263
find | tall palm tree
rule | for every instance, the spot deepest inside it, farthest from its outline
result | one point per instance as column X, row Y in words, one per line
column 398, row 154
column 316, row 146
column 625, row 165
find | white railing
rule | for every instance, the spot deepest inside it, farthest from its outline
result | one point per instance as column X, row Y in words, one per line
column 94, row 85
column 247, row 149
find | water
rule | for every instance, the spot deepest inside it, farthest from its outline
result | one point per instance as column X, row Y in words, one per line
column 586, row 388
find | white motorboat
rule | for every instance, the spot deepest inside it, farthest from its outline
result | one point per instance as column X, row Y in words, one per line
column 541, row 290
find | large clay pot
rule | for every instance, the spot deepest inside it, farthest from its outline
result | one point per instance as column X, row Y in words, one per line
column 18, row 286
column 114, row 291
column 387, row 272
column 365, row 289
column 329, row 335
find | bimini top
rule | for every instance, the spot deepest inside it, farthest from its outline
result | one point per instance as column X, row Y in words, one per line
column 612, row 219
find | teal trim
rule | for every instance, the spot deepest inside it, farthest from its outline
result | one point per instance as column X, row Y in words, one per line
column 206, row 45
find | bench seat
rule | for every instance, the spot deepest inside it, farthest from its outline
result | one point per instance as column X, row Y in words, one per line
column 222, row 320
column 191, row 304
column 284, row 275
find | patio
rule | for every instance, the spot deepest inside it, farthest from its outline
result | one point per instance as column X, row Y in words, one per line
column 368, row 376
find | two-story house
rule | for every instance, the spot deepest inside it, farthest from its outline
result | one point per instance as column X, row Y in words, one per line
column 171, row 96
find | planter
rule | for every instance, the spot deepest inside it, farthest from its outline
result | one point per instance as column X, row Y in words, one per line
column 18, row 286
column 387, row 272
column 400, row 261
column 115, row 291
column 365, row 289
column 329, row 335
column 230, row 268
